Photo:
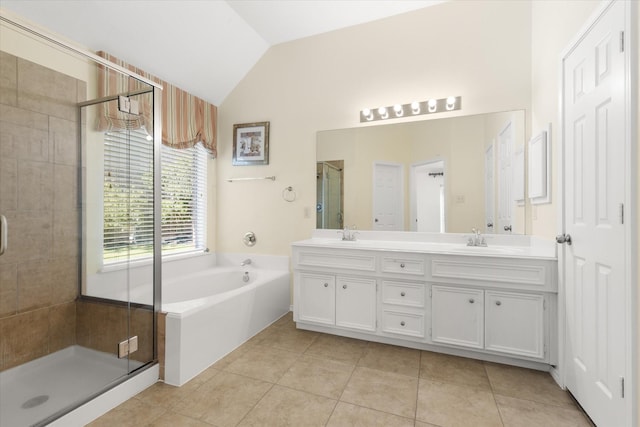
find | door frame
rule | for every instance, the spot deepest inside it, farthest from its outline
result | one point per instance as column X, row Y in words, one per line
column 631, row 178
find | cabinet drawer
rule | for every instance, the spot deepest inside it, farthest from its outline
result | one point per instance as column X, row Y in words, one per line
column 402, row 293
column 395, row 322
column 413, row 266
column 333, row 259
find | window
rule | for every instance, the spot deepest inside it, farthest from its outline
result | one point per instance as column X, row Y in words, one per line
column 128, row 197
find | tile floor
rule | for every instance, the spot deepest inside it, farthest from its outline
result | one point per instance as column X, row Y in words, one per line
column 288, row 377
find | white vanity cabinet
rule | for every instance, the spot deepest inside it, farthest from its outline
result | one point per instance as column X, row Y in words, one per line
column 336, row 300
column 474, row 302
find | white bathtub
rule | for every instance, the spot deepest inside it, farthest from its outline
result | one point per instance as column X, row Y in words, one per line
column 212, row 311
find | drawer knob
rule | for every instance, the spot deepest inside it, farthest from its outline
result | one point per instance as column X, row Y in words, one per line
column 402, row 323
column 471, row 300
column 498, row 303
column 344, row 286
column 326, row 285
column 402, row 294
column 402, row 265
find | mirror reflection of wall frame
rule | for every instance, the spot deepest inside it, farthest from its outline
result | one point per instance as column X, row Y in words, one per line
column 539, row 172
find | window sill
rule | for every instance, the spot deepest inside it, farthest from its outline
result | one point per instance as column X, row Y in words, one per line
column 123, row 265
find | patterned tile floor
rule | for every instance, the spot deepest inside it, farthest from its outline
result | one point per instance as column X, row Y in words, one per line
column 289, row 377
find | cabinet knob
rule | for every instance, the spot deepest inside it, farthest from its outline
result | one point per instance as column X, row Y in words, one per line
column 402, row 265
column 498, row 303
column 402, row 323
column 326, row 285
column 471, row 300
column 344, row 286
column 402, row 294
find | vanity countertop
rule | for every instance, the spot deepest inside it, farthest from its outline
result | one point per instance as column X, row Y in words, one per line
column 527, row 247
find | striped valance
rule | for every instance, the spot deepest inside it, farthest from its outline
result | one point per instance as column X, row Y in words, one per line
column 186, row 119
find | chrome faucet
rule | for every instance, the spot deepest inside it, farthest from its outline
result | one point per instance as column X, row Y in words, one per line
column 476, row 239
column 349, row 234
column 245, row 262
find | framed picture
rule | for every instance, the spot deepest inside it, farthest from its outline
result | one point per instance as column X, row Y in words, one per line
column 251, row 144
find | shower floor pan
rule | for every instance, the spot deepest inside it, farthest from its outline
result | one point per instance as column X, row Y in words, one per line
column 38, row 389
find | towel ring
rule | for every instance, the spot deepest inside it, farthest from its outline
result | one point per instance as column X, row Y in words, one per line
column 289, row 194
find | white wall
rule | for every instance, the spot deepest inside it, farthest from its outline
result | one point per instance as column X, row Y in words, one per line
column 554, row 25
column 478, row 50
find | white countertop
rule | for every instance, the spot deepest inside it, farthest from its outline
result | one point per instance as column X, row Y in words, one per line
column 527, row 247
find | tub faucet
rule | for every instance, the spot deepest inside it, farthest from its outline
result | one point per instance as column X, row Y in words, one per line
column 245, row 262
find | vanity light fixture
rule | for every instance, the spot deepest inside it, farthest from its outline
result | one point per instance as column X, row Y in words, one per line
column 451, row 103
column 430, row 106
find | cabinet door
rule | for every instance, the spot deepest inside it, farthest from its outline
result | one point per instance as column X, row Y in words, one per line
column 317, row 298
column 514, row 323
column 457, row 316
column 356, row 303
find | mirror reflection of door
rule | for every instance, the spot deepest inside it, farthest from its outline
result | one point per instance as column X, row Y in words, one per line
column 505, row 187
column 388, row 196
column 329, row 193
column 489, row 190
column 427, row 197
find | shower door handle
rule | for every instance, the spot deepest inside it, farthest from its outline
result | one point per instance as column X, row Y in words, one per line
column 3, row 234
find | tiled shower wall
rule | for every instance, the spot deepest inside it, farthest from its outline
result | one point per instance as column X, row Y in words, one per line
column 38, row 195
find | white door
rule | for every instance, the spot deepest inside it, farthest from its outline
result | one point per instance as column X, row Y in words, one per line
column 505, row 179
column 388, row 197
column 457, row 316
column 489, row 190
column 514, row 323
column 356, row 303
column 594, row 188
column 316, row 301
column 427, row 197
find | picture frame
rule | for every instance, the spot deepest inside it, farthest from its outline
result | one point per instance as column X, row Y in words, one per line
column 251, row 144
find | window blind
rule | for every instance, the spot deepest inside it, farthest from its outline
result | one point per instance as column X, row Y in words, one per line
column 128, row 197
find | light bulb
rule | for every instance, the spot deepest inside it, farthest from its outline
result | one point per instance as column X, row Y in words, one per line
column 432, row 105
column 415, row 107
column 382, row 111
column 398, row 110
column 451, row 103
column 366, row 112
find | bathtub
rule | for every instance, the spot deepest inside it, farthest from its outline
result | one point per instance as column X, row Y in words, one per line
column 212, row 311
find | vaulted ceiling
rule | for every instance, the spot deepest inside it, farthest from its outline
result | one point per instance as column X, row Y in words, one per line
column 203, row 46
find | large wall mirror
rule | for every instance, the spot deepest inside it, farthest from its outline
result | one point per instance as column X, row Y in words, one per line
column 443, row 175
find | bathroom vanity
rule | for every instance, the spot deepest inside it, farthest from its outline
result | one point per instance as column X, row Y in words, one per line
column 433, row 292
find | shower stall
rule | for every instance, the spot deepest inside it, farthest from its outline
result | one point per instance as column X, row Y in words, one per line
column 79, row 210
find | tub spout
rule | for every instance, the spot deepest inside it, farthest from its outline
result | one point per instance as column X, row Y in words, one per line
column 245, row 262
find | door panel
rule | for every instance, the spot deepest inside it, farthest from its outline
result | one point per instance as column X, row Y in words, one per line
column 388, row 197
column 594, row 185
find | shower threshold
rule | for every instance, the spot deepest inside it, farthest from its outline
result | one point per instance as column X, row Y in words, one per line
column 36, row 390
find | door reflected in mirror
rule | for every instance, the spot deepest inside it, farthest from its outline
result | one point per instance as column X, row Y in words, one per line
column 443, row 175
column 330, row 194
